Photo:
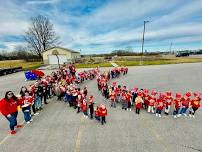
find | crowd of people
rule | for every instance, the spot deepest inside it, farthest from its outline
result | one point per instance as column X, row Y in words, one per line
column 150, row 100
column 62, row 83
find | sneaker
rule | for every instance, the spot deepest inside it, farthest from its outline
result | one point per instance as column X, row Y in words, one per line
column 36, row 114
column 156, row 114
column 31, row 120
column 185, row 114
column 19, row 126
column 13, row 132
column 179, row 115
column 160, row 115
column 175, row 116
column 28, row 122
column 193, row 116
column 190, row 115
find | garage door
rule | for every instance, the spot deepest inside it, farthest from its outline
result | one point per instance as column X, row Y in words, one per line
column 53, row 59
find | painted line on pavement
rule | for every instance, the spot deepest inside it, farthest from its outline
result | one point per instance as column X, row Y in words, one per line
column 78, row 139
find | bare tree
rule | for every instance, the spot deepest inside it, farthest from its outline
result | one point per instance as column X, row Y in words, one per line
column 40, row 35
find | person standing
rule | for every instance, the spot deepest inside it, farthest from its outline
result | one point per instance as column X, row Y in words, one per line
column 177, row 104
column 194, row 104
column 113, row 98
column 91, row 106
column 26, row 107
column 138, row 102
column 103, row 113
column 168, row 102
column 8, row 108
column 185, row 104
column 152, row 101
column 160, row 104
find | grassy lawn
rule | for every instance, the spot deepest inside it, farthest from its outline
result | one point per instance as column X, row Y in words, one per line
column 91, row 65
column 25, row 65
column 160, row 61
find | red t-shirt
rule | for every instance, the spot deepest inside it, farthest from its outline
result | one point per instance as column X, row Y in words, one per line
column 195, row 103
column 177, row 103
column 152, row 101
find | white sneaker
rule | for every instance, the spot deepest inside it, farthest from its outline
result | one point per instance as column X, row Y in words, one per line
column 130, row 109
column 28, row 122
column 193, row 116
column 157, row 114
column 175, row 116
column 179, row 115
column 190, row 115
column 160, row 115
column 185, row 114
column 36, row 114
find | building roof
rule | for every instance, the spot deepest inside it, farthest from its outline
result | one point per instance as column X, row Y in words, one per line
column 69, row 50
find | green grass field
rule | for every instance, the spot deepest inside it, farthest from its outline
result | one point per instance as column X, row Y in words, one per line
column 91, row 65
column 160, row 61
column 25, row 65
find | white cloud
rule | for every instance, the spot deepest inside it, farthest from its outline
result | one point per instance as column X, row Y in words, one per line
column 42, row 2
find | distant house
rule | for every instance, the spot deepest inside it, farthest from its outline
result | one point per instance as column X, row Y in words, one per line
column 64, row 55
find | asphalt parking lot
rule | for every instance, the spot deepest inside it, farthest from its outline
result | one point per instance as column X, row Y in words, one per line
column 58, row 128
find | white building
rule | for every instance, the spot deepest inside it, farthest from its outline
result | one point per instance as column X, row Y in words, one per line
column 64, row 55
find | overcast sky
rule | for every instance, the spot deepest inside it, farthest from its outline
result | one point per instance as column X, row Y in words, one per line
column 100, row 26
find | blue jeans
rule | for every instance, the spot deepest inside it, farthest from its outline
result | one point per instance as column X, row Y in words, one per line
column 26, row 113
column 38, row 102
column 175, row 112
column 183, row 110
column 12, row 120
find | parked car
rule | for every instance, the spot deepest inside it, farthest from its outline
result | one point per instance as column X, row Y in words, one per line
column 181, row 54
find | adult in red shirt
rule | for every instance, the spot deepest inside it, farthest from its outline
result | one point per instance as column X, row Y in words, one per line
column 177, row 104
column 8, row 108
column 195, row 104
column 103, row 113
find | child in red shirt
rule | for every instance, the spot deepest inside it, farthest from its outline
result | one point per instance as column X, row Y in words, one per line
column 138, row 102
column 160, row 104
column 185, row 104
column 195, row 104
column 177, row 104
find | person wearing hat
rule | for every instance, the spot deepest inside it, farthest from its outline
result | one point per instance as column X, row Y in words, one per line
column 177, row 104
column 146, row 98
column 185, row 104
column 103, row 113
column 195, row 104
column 152, row 101
column 91, row 106
column 168, row 102
column 160, row 104
column 138, row 102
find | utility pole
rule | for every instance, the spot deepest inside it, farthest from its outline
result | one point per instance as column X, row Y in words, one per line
column 171, row 44
column 141, row 62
